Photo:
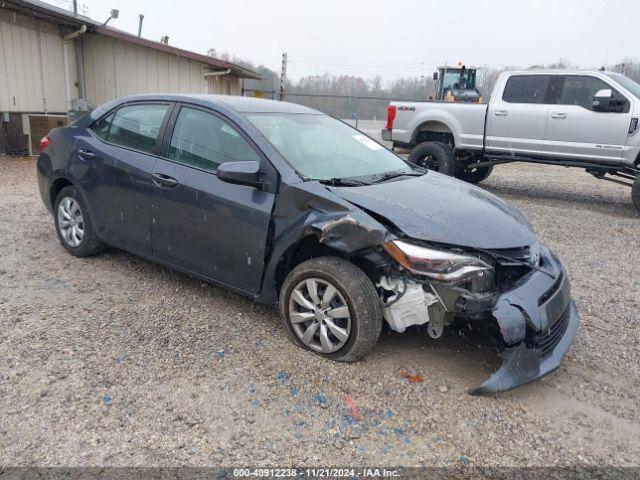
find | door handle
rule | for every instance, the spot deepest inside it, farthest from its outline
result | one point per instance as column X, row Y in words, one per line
column 501, row 113
column 86, row 154
column 559, row 115
column 163, row 180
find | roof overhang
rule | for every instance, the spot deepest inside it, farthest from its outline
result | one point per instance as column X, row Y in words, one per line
column 60, row 16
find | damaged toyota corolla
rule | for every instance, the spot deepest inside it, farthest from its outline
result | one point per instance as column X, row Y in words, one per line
column 287, row 205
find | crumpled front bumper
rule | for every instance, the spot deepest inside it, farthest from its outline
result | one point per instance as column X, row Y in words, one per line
column 538, row 322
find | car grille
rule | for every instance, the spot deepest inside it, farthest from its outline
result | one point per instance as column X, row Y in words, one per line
column 547, row 341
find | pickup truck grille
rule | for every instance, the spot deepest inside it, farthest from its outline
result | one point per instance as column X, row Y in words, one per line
column 548, row 340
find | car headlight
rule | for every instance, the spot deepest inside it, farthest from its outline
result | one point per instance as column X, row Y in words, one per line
column 437, row 264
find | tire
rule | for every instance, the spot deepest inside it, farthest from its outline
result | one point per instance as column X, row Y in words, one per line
column 635, row 193
column 67, row 204
column 476, row 175
column 354, row 291
column 434, row 156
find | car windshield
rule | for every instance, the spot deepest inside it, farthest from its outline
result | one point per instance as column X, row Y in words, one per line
column 322, row 148
column 626, row 82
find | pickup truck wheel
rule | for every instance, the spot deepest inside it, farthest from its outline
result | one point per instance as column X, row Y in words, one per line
column 475, row 175
column 635, row 193
column 434, row 156
column 329, row 306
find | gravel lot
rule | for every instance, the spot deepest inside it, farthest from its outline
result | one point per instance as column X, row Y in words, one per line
column 113, row 360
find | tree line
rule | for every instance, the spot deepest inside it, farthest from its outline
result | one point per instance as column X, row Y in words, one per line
column 340, row 95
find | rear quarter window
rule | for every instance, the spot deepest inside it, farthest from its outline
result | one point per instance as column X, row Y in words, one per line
column 526, row 89
column 132, row 126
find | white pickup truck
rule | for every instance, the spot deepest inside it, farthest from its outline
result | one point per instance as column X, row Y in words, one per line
column 585, row 119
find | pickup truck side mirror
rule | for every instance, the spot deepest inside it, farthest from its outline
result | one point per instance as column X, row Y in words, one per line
column 605, row 101
column 241, row 173
column 435, row 75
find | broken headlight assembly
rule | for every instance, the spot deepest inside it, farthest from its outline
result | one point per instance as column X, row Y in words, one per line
column 439, row 265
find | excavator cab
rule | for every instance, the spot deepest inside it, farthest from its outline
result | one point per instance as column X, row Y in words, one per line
column 457, row 84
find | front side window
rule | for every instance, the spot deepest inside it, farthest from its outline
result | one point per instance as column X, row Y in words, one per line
column 580, row 90
column 323, row 148
column 204, row 141
column 526, row 89
column 133, row 126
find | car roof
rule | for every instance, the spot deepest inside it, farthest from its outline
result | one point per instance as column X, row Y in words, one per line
column 232, row 102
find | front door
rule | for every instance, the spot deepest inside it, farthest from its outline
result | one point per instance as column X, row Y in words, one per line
column 575, row 130
column 117, row 160
column 199, row 222
column 516, row 122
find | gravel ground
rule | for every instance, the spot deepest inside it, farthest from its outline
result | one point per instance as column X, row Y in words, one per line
column 113, row 360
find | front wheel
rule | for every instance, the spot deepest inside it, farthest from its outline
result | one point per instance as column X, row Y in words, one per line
column 329, row 306
column 434, row 156
column 635, row 193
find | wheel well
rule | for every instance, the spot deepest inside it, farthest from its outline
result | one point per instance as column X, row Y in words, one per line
column 305, row 249
column 434, row 131
column 56, row 186
column 310, row 247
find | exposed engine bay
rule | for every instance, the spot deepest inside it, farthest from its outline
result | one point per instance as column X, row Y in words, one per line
column 485, row 286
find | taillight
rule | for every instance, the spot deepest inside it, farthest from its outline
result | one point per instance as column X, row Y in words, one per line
column 45, row 142
column 391, row 116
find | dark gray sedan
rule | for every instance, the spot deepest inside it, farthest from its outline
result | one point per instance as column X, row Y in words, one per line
column 289, row 206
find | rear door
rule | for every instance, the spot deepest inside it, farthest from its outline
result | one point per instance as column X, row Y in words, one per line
column 575, row 130
column 117, row 161
column 199, row 222
column 517, row 121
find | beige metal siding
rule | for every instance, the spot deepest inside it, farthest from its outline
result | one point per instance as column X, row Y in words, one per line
column 115, row 68
column 224, row 84
column 31, row 65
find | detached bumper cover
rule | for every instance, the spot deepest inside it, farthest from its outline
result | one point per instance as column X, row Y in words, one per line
column 538, row 321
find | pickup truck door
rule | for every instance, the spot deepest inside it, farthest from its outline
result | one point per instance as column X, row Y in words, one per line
column 517, row 118
column 575, row 130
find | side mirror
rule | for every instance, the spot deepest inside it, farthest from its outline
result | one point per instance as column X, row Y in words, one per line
column 435, row 75
column 602, row 100
column 241, row 173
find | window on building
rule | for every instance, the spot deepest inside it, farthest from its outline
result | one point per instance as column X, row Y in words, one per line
column 204, row 141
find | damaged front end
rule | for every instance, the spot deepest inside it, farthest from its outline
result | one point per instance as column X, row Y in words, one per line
column 524, row 291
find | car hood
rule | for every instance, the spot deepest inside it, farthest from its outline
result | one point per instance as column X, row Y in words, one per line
column 438, row 208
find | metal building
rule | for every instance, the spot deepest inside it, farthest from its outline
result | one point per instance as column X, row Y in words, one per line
column 54, row 63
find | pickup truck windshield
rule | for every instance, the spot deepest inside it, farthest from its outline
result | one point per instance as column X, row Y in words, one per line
column 626, row 82
column 323, row 148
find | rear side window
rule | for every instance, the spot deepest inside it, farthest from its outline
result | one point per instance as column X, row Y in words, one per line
column 134, row 126
column 526, row 89
column 204, row 141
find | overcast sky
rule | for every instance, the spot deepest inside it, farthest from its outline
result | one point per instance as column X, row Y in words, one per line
column 392, row 37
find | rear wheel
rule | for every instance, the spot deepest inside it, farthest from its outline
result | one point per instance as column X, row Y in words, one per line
column 329, row 306
column 434, row 156
column 73, row 225
column 475, row 175
column 635, row 193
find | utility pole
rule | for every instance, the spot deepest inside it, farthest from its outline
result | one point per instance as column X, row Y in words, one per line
column 283, row 75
